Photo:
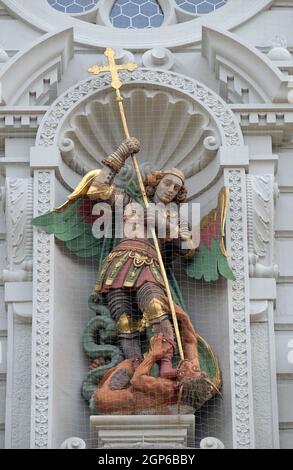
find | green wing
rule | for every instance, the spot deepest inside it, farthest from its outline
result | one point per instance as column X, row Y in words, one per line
column 209, row 264
column 210, row 260
column 73, row 226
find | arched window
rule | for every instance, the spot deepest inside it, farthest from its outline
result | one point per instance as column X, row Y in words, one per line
column 136, row 14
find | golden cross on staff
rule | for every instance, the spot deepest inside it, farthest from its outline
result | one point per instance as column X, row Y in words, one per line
column 113, row 68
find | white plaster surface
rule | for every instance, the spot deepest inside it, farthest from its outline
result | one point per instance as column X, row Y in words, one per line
column 268, row 131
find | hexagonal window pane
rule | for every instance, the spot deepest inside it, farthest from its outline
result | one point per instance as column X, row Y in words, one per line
column 130, row 10
column 140, row 21
column 205, row 7
column 156, row 21
column 137, row 14
column 85, row 3
column 200, row 7
column 149, row 9
column 121, row 22
column 73, row 6
column 65, row 3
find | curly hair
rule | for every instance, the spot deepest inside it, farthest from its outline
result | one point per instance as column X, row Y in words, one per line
column 153, row 179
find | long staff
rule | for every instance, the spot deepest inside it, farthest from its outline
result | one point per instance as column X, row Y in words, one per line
column 113, row 68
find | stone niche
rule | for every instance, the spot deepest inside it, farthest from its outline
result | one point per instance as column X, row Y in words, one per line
column 180, row 123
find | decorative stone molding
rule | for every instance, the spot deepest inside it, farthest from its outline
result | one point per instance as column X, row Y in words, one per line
column 242, row 408
column 145, row 431
column 42, row 16
column 260, row 219
column 123, row 57
column 42, row 313
column 24, row 120
column 19, row 213
column 259, row 311
column 210, row 443
column 74, row 443
column 159, row 57
column 241, row 68
column 40, row 65
column 71, row 124
column 88, row 133
column 208, row 99
column 266, row 119
column 18, row 297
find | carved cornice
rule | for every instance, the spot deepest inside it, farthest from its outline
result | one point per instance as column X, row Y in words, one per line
column 21, row 120
column 261, row 119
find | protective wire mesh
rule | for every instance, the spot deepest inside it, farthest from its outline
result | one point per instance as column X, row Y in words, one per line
column 86, row 344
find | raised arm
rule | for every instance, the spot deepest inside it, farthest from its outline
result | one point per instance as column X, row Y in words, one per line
column 102, row 186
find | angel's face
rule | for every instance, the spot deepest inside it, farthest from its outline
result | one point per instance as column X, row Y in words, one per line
column 168, row 188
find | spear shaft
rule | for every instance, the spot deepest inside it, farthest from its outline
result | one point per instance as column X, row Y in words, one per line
column 116, row 84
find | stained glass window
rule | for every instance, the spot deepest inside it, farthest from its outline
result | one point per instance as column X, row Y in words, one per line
column 136, row 14
column 73, row 6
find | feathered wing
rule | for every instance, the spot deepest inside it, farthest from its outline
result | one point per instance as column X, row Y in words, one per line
column 210, row 260
column 73, row 226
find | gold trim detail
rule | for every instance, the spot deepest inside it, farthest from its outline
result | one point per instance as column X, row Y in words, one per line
column 175, row 172
column 126, row 325
column 139, row 259
column 154, row 310
column 80, row 190
column 115, row 270
column 101, row 191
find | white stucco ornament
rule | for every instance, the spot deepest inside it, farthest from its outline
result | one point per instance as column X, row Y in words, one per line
column 279, row 54
column 73, row 443
column 211, row 443
column 159, row 57
column 122, row 56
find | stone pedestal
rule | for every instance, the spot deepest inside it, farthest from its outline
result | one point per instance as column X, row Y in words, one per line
column 143, row 431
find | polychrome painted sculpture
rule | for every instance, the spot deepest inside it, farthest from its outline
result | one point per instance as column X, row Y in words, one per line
column 135, row 365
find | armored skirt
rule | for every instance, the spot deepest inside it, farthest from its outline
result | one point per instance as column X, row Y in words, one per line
column 130, row 264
